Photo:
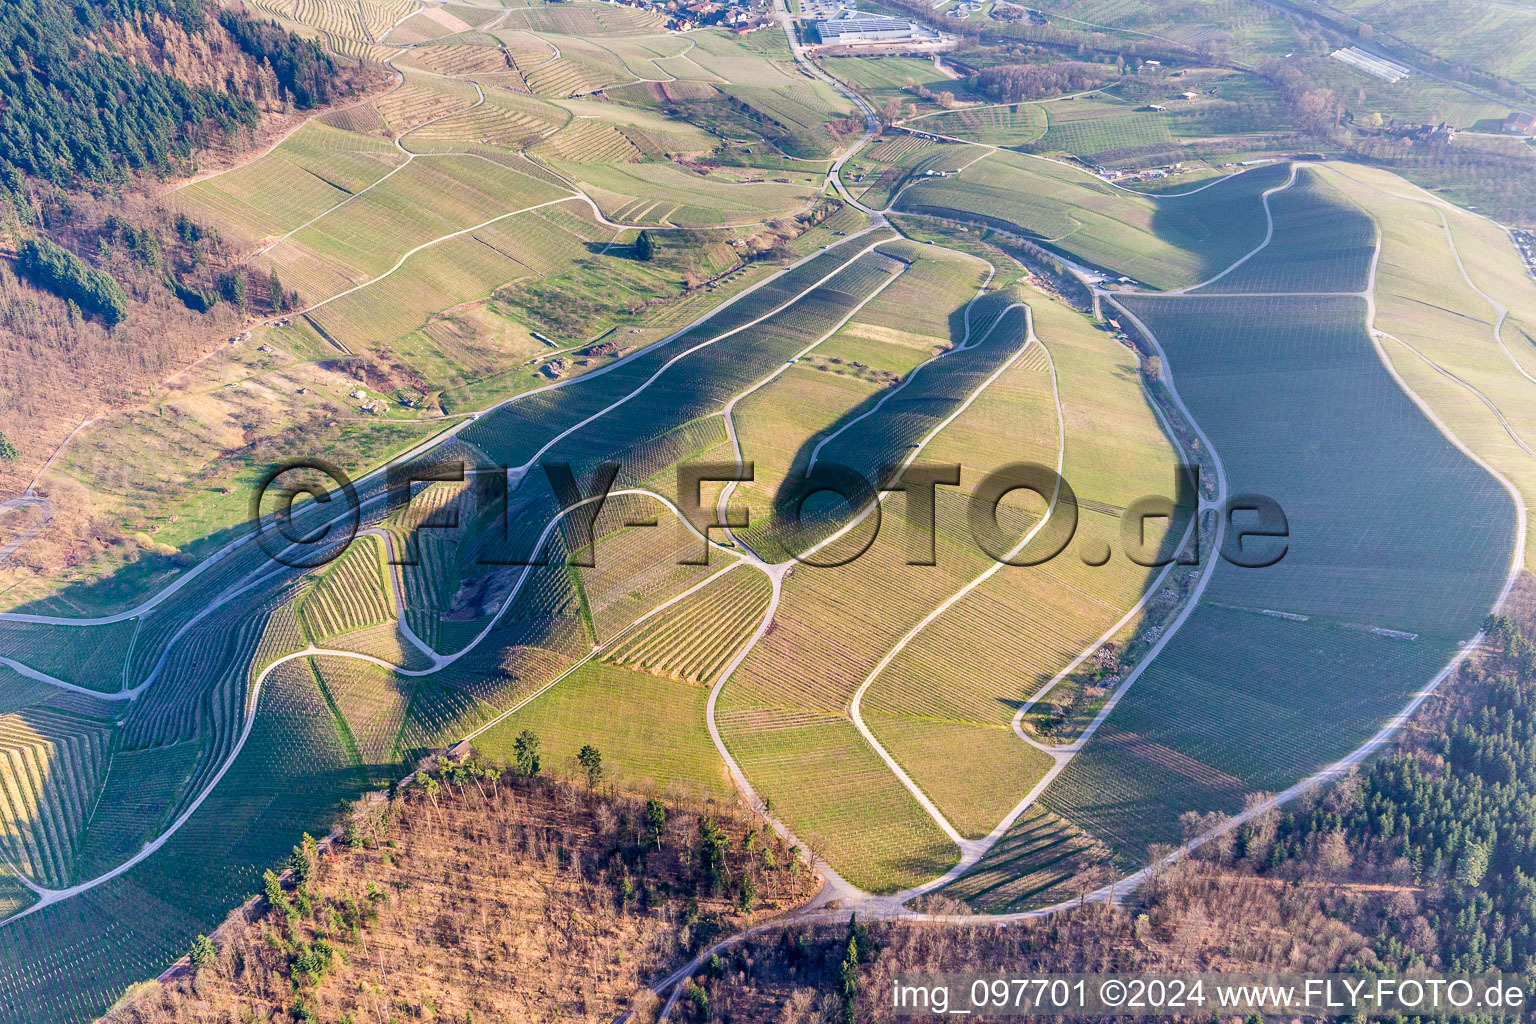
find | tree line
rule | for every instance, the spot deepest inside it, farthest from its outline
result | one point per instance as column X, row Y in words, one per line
column 1011, row 83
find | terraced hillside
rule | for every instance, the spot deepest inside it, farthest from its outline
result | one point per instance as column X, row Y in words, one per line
column 581, row 257
column 1165, row 241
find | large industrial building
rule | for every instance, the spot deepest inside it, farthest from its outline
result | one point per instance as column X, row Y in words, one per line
column 851, row 27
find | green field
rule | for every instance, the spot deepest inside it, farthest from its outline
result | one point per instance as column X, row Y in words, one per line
column 649, row 730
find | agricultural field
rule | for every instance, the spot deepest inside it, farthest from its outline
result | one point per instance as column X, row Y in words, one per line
column 351, row 594
column 312, row 171
column 1006, row 125
column 668, row 195
column 564, row 238
column 1440, row 332
column 1348, row 602
column 1102, row 133
column 878, row 173
column 1164, row 241
column 693, row 641
column 649, row 729
column 1322, row 244
column 881, row 79
column 1041, row 860
column 1051, row 612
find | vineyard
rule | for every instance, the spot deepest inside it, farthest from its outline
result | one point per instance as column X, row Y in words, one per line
column 312, row 171
column 634, row 568
column 421, row 98
column 562, row 235
column 464, row 61
column 1165, row 242
column 692, row 640
column 586, row 20
column 572, row 76
column 140, row 791
column 1362, row 627
column 363, row 118
column 50, row 768
column 895, row 149
column 1322, row 243
column 1108, row 135
column 1003, row 125
column 504, row 121
column 1040, row 861
column 88, row 656
column 1435, row 322
column 587, row 141
column 351, row 594
column 510, row 436
column 656, row 193
column 458, row 270
column 841, row 800
column 371, row 703
column 429, row 198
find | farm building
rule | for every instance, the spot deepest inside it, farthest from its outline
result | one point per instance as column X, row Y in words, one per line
column 1520, row 123
column 851, row 27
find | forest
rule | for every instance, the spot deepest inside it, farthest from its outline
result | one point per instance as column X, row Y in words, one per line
column 305, row 70
column 488, row 892
column 74, row 115
column 60, row 271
